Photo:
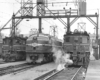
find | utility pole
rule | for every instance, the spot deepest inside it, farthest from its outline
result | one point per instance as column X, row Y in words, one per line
column 12, row 34
column 40, row 12
column 98, row 53
column 68, row 25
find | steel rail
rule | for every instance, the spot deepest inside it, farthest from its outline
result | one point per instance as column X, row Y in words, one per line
column 48, row 75
column 16, row 70
column 44, row 75
column 53, row 74
column 73, row 78
column 9, row 68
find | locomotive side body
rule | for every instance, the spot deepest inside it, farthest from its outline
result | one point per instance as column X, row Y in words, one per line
column 5, row 49
column 13, row 49
column 39, row 48
column 78, row 45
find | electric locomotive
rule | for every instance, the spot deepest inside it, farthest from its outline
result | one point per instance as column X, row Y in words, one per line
column 13, row 48
column 39, row 47
column 77, row 44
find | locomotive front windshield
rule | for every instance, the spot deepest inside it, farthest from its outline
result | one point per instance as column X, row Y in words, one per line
column 6, row 41
column 43, row 42
column 19, row 42
column 77, row 39
column 38, row 38
column 43, row 39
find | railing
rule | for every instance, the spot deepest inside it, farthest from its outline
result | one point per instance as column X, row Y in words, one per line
column 61, row 12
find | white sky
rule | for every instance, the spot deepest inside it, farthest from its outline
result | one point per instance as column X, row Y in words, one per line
column 7, row 7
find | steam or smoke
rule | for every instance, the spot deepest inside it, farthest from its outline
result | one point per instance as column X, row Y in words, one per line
column 61, row 58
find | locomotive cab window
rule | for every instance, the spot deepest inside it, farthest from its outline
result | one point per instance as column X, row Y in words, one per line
column 43, row 42
column 76, row 39
column 84, row 39
column 6, row 41
column 88, row 39
column 24, row 42
column 80, row 39
column 15, row 41
column 67, row 39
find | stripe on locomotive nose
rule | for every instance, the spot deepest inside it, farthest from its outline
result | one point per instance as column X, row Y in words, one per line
column 34, row 44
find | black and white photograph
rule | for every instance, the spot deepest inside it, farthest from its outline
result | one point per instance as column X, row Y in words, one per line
column 49, row 40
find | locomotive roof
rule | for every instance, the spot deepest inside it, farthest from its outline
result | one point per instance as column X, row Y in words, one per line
column 39, row 34
column 15, row 37
column 43, row 35
column 77, row 34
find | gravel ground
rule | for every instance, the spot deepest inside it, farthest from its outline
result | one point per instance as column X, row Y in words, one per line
column 30, row 74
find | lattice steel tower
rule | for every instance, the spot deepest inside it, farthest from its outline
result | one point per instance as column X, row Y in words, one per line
column 27, row 10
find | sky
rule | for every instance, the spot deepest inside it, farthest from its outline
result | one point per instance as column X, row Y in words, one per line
column 8, row 7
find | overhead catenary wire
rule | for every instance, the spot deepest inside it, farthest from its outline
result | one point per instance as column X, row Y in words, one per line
column 18, row 1
column 45, row 3
column 9, row 3
column 58, row 18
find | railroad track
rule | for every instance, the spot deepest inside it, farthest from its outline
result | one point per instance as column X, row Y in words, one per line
column 15, row 69
column 3, row 62
column 67, row 74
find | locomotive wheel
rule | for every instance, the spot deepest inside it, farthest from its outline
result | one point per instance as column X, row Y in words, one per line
column 7, row 58
column 12, row 58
